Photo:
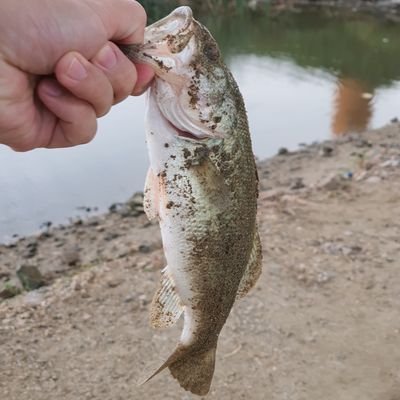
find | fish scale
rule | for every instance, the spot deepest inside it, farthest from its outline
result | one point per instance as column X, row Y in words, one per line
column 202, row 186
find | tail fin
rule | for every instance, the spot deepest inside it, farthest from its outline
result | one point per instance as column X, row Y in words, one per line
column 193, row 370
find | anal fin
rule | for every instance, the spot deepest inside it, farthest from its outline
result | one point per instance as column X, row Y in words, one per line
column 253, row 269
column 166, row 307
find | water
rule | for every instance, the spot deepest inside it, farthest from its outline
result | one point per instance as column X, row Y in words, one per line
column 304, row 78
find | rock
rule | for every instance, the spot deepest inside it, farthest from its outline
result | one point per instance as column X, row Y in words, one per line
column 114, row 282
column 351, row 250
column 93, row 222
column 135, row 203
column 392, row 163
column 111, row 236
column 9, row 290
column 373, row 179
column 326, row 151
column 45, row 235
column 144, row 248
column 129, row 299
column 30, row 277
column 46, row 225
column 362, row 143
column 324, row 277
column 297, row 184
column 30, row 250
column 283, row 151
column 394, row 120
column 136, row 199
column 114, row 207
column 71, row 255
column 333, row 182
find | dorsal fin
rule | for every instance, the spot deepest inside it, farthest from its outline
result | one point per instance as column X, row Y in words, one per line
column 253, row 269
column 166, row 307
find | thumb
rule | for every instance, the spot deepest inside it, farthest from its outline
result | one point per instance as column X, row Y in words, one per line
column 124, row 20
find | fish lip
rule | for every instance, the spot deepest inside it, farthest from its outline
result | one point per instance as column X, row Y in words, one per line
column 156, row 51
column 182, row 14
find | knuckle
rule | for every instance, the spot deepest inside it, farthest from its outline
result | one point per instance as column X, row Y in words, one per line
column 83, row 128
column 124, row 84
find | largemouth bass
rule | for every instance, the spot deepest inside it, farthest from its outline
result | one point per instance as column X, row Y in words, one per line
column 202, row 186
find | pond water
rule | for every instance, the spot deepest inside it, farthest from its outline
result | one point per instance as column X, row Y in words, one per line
column 304, row 78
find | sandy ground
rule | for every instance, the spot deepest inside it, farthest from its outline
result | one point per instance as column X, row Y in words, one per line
column 322, row 323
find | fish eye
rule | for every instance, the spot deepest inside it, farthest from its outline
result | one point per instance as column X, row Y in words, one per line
column 211, row 51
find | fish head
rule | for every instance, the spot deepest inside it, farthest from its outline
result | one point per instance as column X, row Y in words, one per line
column 193, row 89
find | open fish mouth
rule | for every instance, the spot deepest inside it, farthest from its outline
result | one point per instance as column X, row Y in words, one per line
column 172, row 116
column 162, row 40
column 172, row 48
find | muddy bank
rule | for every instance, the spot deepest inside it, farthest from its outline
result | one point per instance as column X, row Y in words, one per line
column 323, row 321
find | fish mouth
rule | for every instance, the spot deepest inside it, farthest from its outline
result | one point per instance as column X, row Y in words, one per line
column 164, row 42
column 182, row 125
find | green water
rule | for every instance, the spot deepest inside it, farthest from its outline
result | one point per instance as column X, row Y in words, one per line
column 362, row 47
column 304, row 78
column 358, row 46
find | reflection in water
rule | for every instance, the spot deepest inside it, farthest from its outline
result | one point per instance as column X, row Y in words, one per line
column 286, row 69
column 352, row 107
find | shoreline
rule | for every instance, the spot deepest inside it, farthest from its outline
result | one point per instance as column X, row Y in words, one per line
column 90, row 240
column 322, row 321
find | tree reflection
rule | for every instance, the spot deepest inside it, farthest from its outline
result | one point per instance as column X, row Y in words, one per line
column 352, row 107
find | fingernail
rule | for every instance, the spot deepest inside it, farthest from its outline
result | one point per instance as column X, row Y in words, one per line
column 52, row 89
column 106, row 57
column 76, row 70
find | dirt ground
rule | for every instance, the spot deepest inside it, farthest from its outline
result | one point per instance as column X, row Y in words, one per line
column 322, row 323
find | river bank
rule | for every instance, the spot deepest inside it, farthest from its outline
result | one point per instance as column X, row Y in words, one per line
column 323, row 321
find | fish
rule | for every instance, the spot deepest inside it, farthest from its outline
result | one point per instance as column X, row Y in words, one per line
column 202, row 187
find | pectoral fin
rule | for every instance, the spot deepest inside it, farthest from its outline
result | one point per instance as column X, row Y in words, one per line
column 166, row 307
column 151, row 195
column 253, row 269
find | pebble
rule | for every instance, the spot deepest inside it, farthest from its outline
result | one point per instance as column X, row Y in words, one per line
column 144, row 248
column 111, row 236
column 297, row 184
column 114, row 282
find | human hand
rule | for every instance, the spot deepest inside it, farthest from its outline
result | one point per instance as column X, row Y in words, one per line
column 60, row 70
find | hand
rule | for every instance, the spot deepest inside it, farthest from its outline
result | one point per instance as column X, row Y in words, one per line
column 60, row 70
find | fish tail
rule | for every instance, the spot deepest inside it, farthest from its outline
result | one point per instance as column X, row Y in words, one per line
column 193, row 370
